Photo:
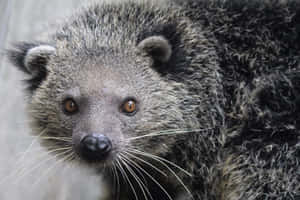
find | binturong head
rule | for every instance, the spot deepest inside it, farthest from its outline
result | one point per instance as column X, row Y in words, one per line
column 97, row 101
column 120, row 82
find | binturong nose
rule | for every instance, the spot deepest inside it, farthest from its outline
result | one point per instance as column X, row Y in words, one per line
column 95, row 147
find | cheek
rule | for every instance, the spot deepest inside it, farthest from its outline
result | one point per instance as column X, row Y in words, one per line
column 77, row 135
column 154, row 146
column 46, row 116
column 150, row 139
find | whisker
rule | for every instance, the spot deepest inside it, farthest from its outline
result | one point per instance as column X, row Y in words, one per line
column 49, row 152
column 112, row 169
column 65, row 139
column 31, row 144
column 117, row 179
column 24, row 173
column 70, row 155
column 120, row 169
column 20, row 169
column 19, row 155
column 137, row 179
column 157, row 183
column 159, row 159
column 137, row 167
column 23, row 122
column 127, row 178
column 147, row 163
column 168, row 132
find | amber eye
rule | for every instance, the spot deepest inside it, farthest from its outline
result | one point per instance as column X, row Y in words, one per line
column 70, row 106
column 129, row 106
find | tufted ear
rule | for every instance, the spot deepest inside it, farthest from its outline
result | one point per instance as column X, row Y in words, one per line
column 31, row 59
column 157, row 47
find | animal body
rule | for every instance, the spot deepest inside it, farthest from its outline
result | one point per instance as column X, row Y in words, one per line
column 196, row 99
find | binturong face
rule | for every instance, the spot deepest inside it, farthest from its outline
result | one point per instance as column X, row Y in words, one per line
column 102, row 106
column 107, row 94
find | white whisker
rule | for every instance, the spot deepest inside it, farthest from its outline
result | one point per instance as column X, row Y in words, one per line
column 137, row 179
column 31, row 144
column 126, row 177
column 118, row 181
column 24, row 172
column 69, row 156
column 147, row 163
column 64, row 139
column 159, row 159
column 168, row 132
column 137, row 167
column 21, row 166
column 157, row 183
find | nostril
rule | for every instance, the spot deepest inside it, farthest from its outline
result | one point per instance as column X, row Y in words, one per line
column 90, row 143
column 104, row 145
column 95, row 147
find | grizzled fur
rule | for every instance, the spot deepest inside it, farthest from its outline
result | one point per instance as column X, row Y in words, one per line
column 226, row 72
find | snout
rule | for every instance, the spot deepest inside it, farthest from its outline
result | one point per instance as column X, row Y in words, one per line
column 95, row 147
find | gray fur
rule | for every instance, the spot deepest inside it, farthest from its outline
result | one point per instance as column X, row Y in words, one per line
column 229, row 76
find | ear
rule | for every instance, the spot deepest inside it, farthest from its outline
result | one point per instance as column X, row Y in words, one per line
column 31, row 59
column 157, row 47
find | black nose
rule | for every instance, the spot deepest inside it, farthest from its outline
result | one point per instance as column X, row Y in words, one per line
column 95, row 147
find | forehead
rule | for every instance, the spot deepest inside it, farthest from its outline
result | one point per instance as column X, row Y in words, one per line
column 106, row 73
column 108, row 80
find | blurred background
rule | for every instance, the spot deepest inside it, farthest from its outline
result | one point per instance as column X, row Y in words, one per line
column 26, row 171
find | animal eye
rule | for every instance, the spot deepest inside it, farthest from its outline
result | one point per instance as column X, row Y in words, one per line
column 70, row 106
column 129, row 107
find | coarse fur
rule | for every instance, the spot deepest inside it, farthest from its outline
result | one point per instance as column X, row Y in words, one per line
column 217, row 87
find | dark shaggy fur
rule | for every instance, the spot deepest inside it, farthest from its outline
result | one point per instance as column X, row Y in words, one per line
column 258, row 43
column 219, row 80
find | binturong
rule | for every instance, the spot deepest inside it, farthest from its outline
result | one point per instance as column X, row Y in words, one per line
column 174, row 100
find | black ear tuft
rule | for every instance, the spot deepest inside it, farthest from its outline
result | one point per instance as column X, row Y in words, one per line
column 18, row 53
column 168, row 43
column 157, row 47
column 32, row 59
